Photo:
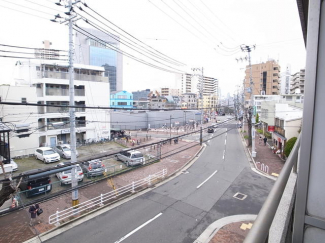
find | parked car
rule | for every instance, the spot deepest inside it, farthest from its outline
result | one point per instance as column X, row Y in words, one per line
column 32, row 187
column 215, row 125
column 131, row 157
column 210, row 130
column 93, row 168
column 64, row 151
column 65, row 176
column 11, row 167
column 47, row 155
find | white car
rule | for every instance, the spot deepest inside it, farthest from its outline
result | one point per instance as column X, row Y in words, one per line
column 65, row 176
column 64, row 151
column 9, row 167
column 47, row 155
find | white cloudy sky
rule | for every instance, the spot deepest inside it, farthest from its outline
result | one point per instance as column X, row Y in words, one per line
column 274, row 27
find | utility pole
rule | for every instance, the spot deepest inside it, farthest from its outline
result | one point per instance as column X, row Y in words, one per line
column 70, row 20
column 170, row 129
column 251, row 119
column 200, row 87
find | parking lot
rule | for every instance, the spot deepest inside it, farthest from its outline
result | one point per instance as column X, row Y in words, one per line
column 111, row 165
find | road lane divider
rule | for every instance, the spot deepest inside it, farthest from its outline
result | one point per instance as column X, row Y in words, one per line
column 138, row 228
column 206, row 179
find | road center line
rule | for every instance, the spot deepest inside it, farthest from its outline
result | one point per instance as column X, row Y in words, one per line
column 225, row 141
column 223, row 157
column 206, row 180
column 135, row 230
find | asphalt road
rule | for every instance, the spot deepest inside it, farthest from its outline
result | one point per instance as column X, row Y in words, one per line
column 181, row 209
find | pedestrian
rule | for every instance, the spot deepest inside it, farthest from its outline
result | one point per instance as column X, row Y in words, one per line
column 33, row 214
column 265, row 139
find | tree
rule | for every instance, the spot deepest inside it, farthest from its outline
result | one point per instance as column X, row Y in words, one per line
column 289, row 145
column 9, row 187
column 257, row 118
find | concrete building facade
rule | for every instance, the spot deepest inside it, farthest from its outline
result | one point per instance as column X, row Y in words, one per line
column 298, row 82
column 47, row 82
column 265, row 78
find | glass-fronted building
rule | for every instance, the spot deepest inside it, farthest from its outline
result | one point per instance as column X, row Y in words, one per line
column 91, row 52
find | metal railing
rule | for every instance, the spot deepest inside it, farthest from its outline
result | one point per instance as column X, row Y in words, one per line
column 77, row 76
column 260, row 230
column 107, row 197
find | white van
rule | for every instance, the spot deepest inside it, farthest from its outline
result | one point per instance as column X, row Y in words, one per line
column 131, row 157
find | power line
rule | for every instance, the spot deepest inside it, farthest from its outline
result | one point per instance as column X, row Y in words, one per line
column 26, row 7
column 33, row 48
column 122, row 41
column 23, row 12
column 130, row 34
column 124, row 53
column 43, row 5
column 45, row 54
column 54, row 59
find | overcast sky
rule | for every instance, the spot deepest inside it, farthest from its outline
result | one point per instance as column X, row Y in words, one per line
column 199, row 33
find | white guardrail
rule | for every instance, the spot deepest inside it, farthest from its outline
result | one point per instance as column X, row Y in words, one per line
column 102, row 198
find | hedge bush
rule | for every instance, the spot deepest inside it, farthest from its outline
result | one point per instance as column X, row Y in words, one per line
column 289, row 145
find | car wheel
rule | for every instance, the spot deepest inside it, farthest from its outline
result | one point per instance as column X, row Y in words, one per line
column 36, row 157
column 44, row 160
column 117, row 158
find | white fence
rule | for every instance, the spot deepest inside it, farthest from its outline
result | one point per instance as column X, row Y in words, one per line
column 102, row 198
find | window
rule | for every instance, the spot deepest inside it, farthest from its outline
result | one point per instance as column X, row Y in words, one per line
column 289, row 98
column 23, row 100
column 113, row 103
column 122, row 96
column 122, row 103
column 38, row 68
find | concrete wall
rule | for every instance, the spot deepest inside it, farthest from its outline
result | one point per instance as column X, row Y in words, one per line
column 154, row 119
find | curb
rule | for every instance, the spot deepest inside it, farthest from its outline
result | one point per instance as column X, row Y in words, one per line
column 213, row 228
column 252, row 162
column 77, row 221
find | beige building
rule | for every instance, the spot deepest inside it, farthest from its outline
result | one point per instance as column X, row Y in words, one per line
column 168, row 91
column 265, row 77
column 209, row 102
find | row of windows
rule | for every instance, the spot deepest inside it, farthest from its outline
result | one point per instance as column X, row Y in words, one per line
column 122, row 103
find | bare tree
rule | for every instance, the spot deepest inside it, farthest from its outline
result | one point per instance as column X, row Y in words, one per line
column 9, row 187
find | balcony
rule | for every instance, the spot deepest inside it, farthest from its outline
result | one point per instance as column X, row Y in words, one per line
column 63, row 92
column 77, row 76
column 280, row 131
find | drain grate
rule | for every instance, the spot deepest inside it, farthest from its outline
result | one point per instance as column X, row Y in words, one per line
column 240, row 196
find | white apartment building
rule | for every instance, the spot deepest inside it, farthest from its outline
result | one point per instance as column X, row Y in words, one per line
column 285, row 80
column 298, row 82
column 47, row 82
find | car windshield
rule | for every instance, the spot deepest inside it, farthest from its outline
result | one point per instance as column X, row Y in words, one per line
column 65, row 149
column 49, row 152
column 95, row 165
column 137, row 155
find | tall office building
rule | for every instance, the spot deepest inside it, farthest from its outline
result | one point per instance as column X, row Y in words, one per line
column 91, row 51
column 265, row 77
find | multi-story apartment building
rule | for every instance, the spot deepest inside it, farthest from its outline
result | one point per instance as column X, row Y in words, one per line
column 103, row 54
column 47, row 52
column 169, row 91
column 265, row 78
column 298, row 82
column 189, row 101
column 285, row 80
column 209, row 102
column 186, row 84
column 47, row 82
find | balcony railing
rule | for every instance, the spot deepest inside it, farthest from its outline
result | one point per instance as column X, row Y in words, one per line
column 63, row 92
column 260, row 230
column 77, row 76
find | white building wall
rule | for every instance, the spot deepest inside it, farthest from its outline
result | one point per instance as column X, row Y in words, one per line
column 291, row 128
column 12, row 115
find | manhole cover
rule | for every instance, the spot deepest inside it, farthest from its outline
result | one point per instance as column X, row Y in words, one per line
column 240, row 196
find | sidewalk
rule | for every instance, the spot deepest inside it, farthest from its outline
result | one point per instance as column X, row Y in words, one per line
column 15, row 226
column 267, row 162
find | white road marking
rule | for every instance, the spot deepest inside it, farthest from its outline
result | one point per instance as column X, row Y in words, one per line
column 135, row 230
column 223, row 157
column 225, row 141
column 206, row 180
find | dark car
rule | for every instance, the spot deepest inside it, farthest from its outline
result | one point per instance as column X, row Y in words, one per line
column 31, row 186
column 210, row 130
column 93, row 168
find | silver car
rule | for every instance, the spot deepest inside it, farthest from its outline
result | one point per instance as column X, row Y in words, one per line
column 65, row 176
column 64, row 151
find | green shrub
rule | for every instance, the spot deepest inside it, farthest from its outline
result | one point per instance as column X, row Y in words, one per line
column 257, row 118
column 260, row 131
column 246, row 137
column 289, row 145
column 268, row 135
